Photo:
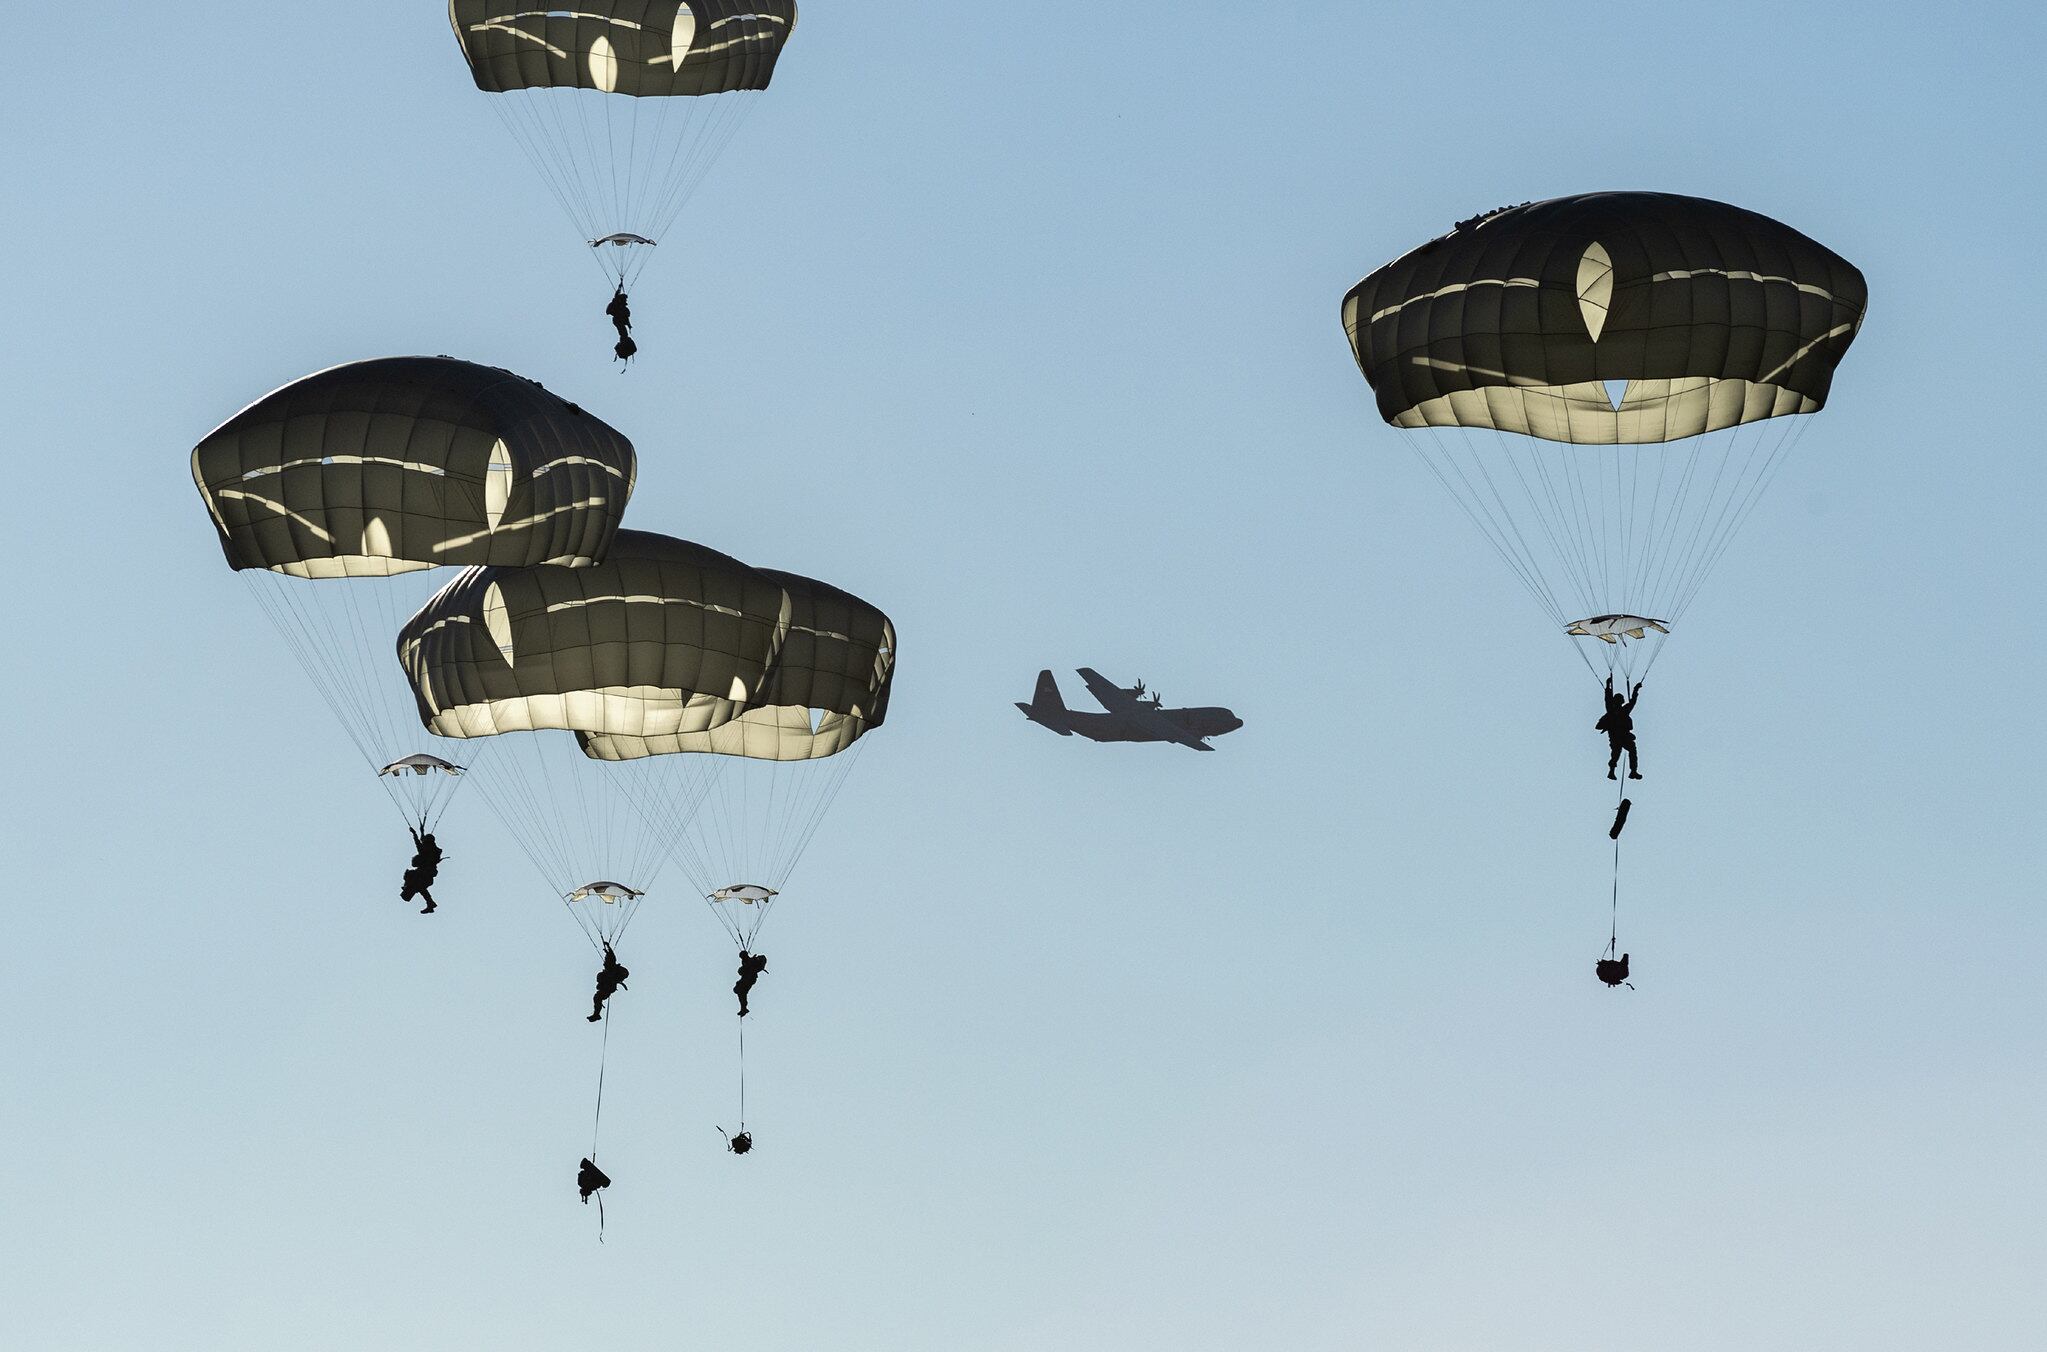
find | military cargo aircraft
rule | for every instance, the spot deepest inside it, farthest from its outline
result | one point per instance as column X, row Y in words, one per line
column 1132, row 714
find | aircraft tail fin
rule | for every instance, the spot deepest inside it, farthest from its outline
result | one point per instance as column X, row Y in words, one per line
column 1046, row 696
column 1046, row 708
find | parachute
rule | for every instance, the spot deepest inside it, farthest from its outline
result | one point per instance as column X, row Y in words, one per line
column 329, row 493
column 623, row 105
column 668, row 663
column 418, row 802
column 1603, row 383
column 662, row 636
column 711, row 698
column 740, row 800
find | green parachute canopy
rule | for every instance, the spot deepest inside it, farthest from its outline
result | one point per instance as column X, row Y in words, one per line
column 1520, row 319
column 327, row 493
column 670, row 677
column 1602, row 382
column 623, row 105
column 664, row 636
column 406, row 463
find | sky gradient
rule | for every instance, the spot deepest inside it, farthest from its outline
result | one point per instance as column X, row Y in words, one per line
column 1028, row 332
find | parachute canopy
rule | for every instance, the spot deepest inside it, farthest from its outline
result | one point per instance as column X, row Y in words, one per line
column 828, row 685
column 404, row 463
column 623, row 105
column 664, row 636
column 643, row 48
column 1519, row 320
column 698, row 671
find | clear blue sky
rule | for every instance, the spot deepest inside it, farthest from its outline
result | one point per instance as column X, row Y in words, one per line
column 1023, row 323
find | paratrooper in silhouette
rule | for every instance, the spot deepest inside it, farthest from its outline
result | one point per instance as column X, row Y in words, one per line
column 751, row 965
column 610, row 980
column 426, row 866
column 1618, row 723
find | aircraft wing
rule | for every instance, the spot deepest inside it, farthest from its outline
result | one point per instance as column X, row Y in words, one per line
column 1107, row 693
column 1139, row 715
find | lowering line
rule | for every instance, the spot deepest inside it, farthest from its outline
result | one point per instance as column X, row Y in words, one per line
column 597, row 1119
column 1614, row 915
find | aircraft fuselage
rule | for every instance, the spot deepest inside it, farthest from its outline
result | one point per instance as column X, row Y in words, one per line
column 1131, row 719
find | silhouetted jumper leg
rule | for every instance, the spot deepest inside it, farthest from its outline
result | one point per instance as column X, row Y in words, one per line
column 1618, row 745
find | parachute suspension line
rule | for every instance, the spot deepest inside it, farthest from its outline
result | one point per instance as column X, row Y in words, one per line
column 620, row 163
column 1779, row 453
column 1488, row 525
column 527, row 114
column 1681, row 543
column 1501, row 510
column 338, row 630
column 1583, row 500
column 573, row 836
column 1575, row 559
column 803, row 827
column 611, row 160
column 588, row 149
column 532, row 778
column 527, row 846
column 1575, row 507
column 297, row 629
column 1575, row 497
column 1477, row 450
column 550, row 173
column 687, row 168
